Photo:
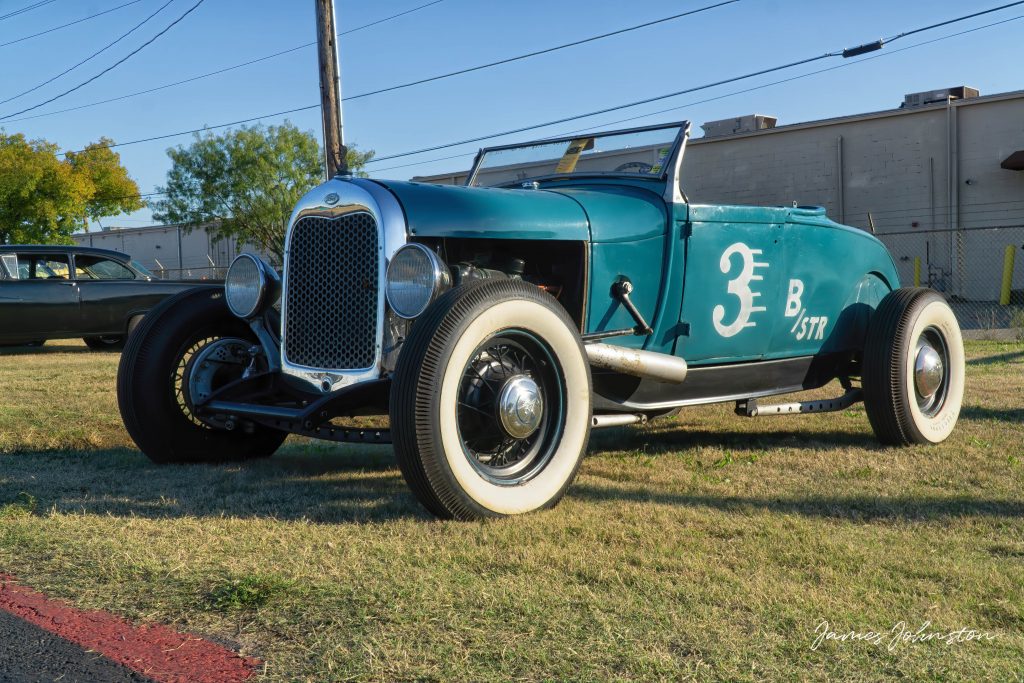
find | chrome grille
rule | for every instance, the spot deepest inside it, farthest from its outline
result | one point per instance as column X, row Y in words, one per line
column 332, row 292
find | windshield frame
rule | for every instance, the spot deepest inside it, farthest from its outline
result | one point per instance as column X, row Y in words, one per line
column 670, row 169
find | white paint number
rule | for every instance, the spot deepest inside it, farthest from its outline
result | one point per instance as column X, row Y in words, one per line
column 739, row 287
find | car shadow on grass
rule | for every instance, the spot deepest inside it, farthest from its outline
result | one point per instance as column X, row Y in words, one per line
column 49, row 349
column 997, row 359
column 312, row 483
column 855, row 508
column 983, row 413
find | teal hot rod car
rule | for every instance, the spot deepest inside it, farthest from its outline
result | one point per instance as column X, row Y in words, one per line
column 569, row 285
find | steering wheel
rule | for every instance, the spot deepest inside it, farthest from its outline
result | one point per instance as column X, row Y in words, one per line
column 635, row 166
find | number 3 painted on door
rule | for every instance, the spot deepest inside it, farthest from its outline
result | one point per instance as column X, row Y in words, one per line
column 740, row 288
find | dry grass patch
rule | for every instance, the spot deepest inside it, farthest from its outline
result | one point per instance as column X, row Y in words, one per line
column 707, row 547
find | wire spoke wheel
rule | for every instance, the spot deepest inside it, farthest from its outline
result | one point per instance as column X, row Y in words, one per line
column 510, row 402
column 206, row 365
column 189, row 345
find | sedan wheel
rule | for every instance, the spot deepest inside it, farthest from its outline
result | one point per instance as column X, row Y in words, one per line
column 104, row 343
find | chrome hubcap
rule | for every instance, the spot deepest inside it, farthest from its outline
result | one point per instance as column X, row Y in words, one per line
column 928, row 370
column 520, row 406
column 931, row 372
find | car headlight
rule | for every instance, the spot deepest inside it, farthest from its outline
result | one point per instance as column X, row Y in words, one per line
column 250, row 286
column 416, row 276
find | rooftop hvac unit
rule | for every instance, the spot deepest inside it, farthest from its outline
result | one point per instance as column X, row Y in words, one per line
column 919, row 99
column 740, row 124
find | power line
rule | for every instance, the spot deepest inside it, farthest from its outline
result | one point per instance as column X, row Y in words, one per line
column 606, row 110
column 737, row 78
column 199, row 130
column 92, row 56
column 849, row 52
column 381, row 21
column 605, row 124
column 393, row 87
column 793, row 78
column 28, row 8
column 159, row 87
column 117, row 63
column 539, row 52
column 71, row 23
column 951, row 21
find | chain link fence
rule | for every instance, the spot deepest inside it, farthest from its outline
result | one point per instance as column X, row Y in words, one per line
column 979, row 270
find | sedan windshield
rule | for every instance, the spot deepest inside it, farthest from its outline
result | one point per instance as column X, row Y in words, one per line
column 642, row 152
column 143, row 270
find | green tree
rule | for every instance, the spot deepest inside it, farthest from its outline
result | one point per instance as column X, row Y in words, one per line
column 44, row 198
column 244, row 183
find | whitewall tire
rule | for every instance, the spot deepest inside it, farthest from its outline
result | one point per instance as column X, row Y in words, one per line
column 491, row 402
column 914, row 368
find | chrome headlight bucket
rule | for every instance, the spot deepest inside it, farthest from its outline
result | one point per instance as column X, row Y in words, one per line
column 251, row 286
column 416, row 276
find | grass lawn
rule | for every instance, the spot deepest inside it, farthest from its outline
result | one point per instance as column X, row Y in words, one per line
column 707, row 547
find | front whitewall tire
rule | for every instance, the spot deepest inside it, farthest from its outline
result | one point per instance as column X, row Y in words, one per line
column 429, row 444
column 534, row 493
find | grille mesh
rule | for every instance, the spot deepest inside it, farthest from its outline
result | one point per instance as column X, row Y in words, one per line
column 332, row 292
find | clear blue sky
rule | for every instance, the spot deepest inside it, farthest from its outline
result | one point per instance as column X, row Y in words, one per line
column 732, row 40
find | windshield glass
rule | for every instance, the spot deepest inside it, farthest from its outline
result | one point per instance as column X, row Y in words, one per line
column 639, row 152
column 142, row 269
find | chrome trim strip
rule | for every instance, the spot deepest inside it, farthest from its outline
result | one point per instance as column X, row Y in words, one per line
column 673, row 190
column 351, row 195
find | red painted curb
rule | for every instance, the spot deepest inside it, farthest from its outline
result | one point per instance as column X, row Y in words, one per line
column 158, row 652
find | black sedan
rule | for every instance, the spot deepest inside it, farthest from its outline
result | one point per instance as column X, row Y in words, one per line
column 62, row 292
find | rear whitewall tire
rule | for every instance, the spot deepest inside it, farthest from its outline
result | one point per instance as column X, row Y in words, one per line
column 904, row 319
column 937, row 428
column 424, row 418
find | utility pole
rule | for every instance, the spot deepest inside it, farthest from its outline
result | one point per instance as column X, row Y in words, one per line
column 330, row 89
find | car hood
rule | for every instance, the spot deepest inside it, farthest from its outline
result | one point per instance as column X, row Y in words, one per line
column 458, row 211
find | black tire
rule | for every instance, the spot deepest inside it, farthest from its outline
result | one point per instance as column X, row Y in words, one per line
column 466, row 334
column 152, row 404
column 105, row 343
column 906, row 406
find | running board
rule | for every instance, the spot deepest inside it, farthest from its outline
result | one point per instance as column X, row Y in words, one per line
column 750, row 408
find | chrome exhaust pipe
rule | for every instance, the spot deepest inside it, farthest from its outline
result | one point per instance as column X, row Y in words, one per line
column 616, row 420
column 660, row 367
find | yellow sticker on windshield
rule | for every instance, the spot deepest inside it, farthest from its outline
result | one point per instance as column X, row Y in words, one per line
column 572, row 154
column 662, row 153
